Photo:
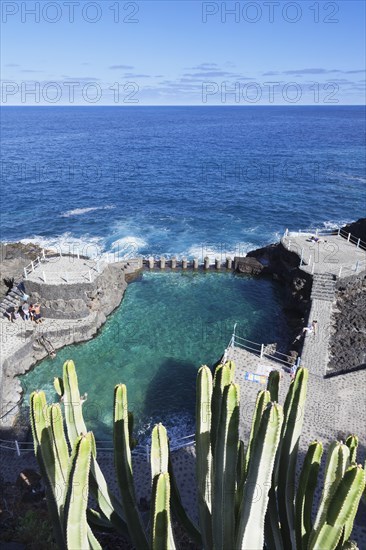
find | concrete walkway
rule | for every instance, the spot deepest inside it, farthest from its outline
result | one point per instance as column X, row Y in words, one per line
column 331, row 254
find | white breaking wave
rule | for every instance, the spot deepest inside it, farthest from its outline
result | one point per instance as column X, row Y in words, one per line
column 81, row 211
column 348, row 176
column 336, row 225
column 124, row 248
column 68, row 244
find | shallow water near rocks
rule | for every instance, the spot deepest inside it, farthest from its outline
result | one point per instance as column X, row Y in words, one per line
column 167, row 325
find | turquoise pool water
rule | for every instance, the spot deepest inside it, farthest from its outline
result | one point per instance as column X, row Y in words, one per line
column 167, row 326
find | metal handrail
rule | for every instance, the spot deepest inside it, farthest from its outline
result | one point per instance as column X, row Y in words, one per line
column 340, row 232
column 102, row 446
column 260, row 349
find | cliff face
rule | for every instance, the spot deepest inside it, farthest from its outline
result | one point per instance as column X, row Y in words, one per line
column 357, row 229
column 276, row 261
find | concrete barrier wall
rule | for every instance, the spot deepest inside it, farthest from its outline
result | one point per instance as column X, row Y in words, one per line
column 162, row 263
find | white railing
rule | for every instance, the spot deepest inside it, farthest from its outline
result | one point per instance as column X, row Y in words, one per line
column 260, row 349
column 352, row 239
column 309, row 261
column 35, row 263
column 324, row 232
column 359, row 266
column 20, row 447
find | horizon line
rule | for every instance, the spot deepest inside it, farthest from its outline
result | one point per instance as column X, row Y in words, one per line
column 195, row 105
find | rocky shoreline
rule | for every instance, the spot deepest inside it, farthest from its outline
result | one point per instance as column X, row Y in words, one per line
column 91, row 306
column 76, row 313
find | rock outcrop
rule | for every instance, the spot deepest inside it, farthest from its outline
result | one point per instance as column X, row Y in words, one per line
column 357, row 229
column 348, row 340
column 276, row 261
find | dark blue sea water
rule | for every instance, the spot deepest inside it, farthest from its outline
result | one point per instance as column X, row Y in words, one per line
column 174, row 180
column 194, row 180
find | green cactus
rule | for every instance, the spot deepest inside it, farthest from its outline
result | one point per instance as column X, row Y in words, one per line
column 253, row 507
column 231, row 512
column 43, row 449
column 160, row 513
column 76, row 500
column 352, row 444
column 263, row 398
column 204, row 453
column 222, row 378
column 273, row 384
column 340, row 506
column 305, row 493
column 337, row 462
column 110, row 507
column 225, row 462
column 123, row 466
column 287, row 455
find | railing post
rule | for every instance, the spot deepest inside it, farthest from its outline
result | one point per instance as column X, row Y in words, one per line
column 302, row 256
column 25, row 273
column 44, row 276
column 312, row 269
column 339, row 231
column 17, row 447
column 340, row 272
column 262, row 350
column 357, row 266
column 358, row 243
column 32, row 264
column 43, row 254
column 78, row 254
column 310, row 258
column 349, row 236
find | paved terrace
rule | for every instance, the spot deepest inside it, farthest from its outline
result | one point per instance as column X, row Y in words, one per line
column 335, row 407
column 332, row 254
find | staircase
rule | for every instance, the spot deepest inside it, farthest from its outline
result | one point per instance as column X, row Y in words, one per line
column 323, row 287
column 12, row 299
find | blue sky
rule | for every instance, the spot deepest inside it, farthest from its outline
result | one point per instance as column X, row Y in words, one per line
column 111, row 52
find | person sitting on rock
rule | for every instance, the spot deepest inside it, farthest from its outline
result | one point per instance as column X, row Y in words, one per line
column 37, row 317
column 311, row 328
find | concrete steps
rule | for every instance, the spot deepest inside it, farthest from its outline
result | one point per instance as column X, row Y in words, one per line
column 323, row 287
column 12, row 299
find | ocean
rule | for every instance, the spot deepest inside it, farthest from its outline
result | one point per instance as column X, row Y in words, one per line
column 174, row 180
column 192, row 181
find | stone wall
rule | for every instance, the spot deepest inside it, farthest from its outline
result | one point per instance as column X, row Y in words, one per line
column 94, row 301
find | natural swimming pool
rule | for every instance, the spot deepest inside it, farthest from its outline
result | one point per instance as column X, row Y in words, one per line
column 167, row 325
